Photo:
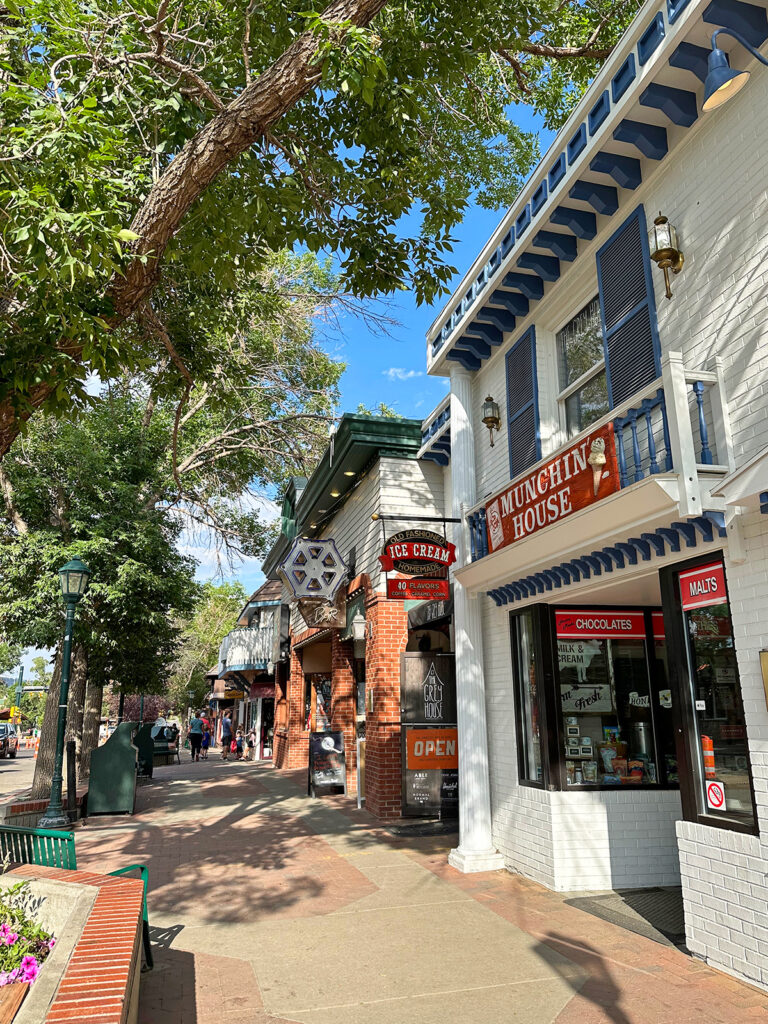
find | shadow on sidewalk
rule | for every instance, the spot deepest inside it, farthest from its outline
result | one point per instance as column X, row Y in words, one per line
column 172, row 987
column 220, row 824
column 600, row 987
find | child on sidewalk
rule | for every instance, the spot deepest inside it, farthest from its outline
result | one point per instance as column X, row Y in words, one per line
column 206, row 743
column 239, row 745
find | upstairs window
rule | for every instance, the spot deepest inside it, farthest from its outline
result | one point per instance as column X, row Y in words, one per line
column 581, row 367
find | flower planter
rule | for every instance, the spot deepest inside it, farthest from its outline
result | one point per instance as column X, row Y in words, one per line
column 11, row 998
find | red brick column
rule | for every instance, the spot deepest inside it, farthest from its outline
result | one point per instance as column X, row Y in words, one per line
column 383, row 786
column 291, row 739
column 343, row 703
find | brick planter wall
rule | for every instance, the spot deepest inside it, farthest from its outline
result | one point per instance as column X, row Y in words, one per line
column 101, row 982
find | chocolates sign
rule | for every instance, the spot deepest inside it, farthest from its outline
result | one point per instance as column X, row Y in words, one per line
column 417, row 553
column 579, row 476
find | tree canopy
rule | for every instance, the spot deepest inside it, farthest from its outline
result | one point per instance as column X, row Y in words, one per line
column 172, row 145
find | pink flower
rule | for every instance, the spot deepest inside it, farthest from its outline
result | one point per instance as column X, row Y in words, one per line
column 51, row 942
column 29, row 968
column 8, row 977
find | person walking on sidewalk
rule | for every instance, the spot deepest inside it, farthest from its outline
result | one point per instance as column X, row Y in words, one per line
column 251, row 741
column 196, row 736
column 206, row 743
column 226, row 735
column 239, row 743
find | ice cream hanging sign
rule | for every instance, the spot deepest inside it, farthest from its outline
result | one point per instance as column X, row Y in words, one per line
column 577, row 477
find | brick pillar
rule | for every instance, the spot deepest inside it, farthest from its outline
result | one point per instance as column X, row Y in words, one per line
column 383, row 786
column 291, row 739
column 343, row 703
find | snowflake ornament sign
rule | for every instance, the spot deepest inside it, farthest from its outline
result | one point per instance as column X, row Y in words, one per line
column 313, row 568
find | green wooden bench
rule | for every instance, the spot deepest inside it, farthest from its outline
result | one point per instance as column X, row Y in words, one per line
column 54, row 849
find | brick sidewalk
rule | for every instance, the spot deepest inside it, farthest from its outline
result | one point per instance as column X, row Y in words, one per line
column 269, row 907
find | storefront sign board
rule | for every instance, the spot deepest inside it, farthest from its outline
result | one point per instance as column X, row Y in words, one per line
column 578, row 477
column 427, row 688
column 703, row 587
column 327, row 765
column 610, row 624
column 590, row 697
column 419, row 589
column 417, row 553
column 431, row 748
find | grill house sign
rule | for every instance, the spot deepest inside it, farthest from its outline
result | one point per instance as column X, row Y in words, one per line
column 579, row 476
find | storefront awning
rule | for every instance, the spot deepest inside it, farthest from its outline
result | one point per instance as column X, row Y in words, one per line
column 640, row 507
column 430, row 613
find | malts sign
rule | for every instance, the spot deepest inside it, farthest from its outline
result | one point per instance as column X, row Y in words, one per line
column 579, row 476
column 703, row 587
column 417, row 553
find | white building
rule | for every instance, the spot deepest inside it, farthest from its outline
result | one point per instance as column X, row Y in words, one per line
column 610, row 613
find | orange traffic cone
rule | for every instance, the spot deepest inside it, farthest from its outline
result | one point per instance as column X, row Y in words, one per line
column 37, row 745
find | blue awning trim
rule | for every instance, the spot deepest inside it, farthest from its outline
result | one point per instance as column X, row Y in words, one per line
column 709, row 527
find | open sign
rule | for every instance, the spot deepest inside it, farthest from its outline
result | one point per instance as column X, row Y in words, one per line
column 432, row 748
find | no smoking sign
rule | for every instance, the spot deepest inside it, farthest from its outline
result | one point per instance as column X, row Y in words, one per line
column 715, row 796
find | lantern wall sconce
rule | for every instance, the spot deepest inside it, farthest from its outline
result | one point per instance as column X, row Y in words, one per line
column 664, row 249
column 491, row 417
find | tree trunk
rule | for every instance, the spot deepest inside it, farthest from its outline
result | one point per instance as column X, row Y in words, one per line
column 76, row 701
column 230, row 132
column 94, row 698
column 46, row 754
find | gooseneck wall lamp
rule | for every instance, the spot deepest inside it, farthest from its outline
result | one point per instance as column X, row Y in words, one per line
column 722, row 80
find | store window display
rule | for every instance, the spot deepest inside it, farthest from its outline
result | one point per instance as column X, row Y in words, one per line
column 598, row 675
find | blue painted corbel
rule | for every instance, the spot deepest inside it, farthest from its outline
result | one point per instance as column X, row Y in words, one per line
column 583, row 566
column 703, row 525
column 643, row 547
column 628, row 550
column 561, row 574
column 491, row 335
column 497, row 597
column 687, row 531
column 552, row 576
column 656, row 542
column 617, row 556
column 670, row 536
column 604, row 559
column 573, row 570
column 594, row 563
column 718, row 520
column 500, row 318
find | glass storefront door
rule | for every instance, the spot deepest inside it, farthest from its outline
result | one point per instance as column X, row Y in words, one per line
column 720, row 735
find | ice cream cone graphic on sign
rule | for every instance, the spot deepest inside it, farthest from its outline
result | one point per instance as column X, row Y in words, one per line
column 597, row 461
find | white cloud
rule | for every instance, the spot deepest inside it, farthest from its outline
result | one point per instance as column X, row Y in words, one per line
column 398, row 373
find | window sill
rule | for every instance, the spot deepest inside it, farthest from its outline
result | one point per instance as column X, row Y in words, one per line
column 727, row 825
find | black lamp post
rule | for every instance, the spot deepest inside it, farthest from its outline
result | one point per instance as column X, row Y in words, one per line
column 74, row 583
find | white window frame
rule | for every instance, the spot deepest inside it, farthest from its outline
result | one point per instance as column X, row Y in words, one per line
column 581, row 381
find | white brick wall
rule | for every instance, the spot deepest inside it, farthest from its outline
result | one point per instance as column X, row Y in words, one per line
column 714, row 188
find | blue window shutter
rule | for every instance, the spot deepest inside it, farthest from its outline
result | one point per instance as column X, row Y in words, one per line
column 628, row 310
column 523, row 404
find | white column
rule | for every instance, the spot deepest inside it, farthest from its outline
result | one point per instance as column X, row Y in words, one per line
column 475, row 851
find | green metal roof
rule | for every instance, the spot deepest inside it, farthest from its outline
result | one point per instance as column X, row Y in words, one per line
column 359, row 440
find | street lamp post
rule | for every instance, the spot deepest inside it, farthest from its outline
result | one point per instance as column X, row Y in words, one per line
column 74, row 582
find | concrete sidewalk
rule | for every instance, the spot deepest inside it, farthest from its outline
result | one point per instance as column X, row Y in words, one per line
column 267, row 906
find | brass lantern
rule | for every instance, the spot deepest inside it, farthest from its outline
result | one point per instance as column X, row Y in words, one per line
column 664, row 249
column 491, row 416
